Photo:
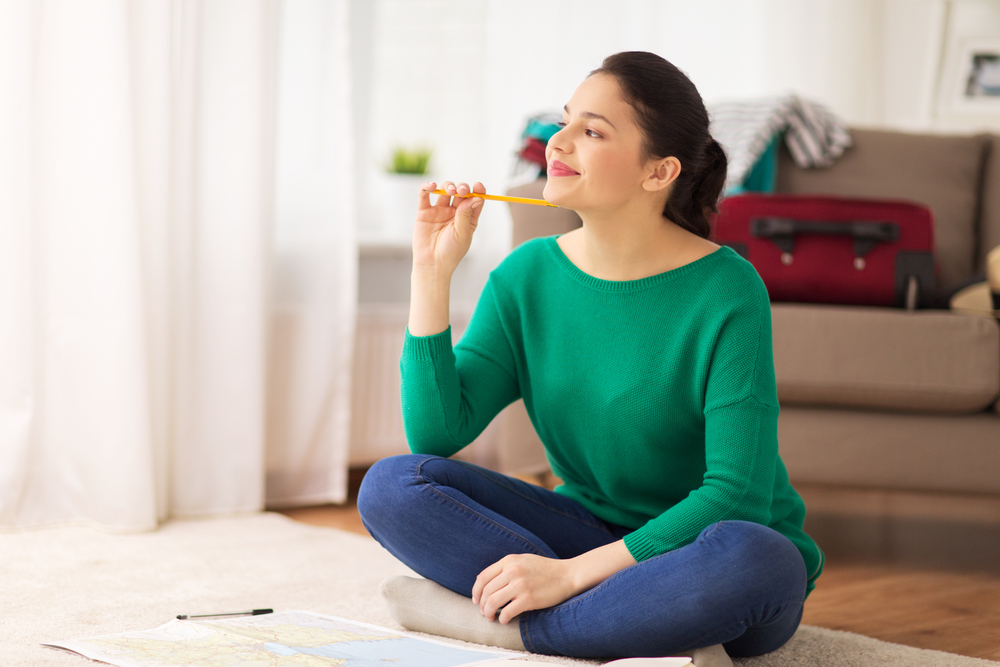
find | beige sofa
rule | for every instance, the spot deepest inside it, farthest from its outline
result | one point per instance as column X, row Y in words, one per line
column 871, row 398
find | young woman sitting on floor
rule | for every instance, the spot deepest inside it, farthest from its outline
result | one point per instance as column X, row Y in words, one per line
column 642, row 351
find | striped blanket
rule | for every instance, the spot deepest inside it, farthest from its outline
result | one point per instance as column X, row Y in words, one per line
column 815, row 137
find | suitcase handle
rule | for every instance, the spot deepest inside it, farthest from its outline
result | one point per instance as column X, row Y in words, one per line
column 866, row 234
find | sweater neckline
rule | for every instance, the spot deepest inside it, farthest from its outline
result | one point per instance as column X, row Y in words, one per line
column 594, row 282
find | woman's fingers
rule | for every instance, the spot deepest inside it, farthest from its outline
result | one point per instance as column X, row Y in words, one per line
column 455, row 193
column 477, row 202
column 485, row 577
column 424, row 196
column 491, row 599
column 508, row 613
column 492, row 586
column 461, row 191
column 497, row 599
column 445, row 199
column 452, row 189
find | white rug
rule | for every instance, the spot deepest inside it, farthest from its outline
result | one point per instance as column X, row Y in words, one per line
column 68, row 583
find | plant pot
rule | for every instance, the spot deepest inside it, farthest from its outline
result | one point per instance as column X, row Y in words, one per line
column 398, row 198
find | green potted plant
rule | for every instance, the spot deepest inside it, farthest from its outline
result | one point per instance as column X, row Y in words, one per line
column 406, row 171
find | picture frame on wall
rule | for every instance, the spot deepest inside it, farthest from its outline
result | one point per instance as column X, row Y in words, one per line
column 970, row 78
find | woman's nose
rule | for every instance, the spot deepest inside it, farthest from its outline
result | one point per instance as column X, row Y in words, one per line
column 560, row 141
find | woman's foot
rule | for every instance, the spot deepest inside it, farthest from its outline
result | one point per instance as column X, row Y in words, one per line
column 423, row 605
column 711, row 656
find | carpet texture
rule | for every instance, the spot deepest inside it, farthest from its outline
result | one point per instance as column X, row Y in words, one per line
column 68, row 583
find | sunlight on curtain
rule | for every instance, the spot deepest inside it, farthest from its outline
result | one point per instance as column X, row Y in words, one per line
column 138, row 201
column 316, row 260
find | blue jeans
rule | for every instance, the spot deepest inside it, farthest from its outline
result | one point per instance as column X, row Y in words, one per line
column 739, row 584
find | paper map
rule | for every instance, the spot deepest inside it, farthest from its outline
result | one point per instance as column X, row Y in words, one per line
column 286, row 639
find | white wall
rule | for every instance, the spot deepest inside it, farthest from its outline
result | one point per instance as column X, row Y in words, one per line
column 464, row 75
column 964, row 19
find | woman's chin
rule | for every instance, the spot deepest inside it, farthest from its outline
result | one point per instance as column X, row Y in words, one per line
column 553, row 194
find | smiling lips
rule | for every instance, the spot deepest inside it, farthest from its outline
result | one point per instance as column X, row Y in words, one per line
column 557, row 168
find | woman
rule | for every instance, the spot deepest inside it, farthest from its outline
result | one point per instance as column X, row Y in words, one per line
column 642, row 351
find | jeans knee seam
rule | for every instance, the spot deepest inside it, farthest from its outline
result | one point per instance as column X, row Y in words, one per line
column 454, row 502
column 699, row 643
column 782, row 605
column 715, row 527
column 736, row 625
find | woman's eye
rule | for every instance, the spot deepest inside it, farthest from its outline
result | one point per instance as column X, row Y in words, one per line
column 589, row 132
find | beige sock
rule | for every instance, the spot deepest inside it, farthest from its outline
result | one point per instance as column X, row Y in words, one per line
column 423, row 605
column 711, row 656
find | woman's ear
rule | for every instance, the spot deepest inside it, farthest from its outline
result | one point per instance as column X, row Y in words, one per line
column 662, row 173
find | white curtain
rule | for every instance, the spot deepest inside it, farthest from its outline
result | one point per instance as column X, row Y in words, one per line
column 145, row 189
column 316, row 259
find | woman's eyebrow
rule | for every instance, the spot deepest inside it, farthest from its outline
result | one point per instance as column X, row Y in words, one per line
column 591, row 114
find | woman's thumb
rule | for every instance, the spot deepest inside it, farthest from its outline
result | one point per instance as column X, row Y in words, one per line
column 470, row 213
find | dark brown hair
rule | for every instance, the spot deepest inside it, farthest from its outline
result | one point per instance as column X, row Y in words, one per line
column 673, row 119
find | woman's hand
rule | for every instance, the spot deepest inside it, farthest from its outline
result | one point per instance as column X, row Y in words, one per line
column 443, row 231
column 523, row 582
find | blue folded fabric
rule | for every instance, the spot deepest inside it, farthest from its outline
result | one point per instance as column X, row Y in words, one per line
column 764, row 172
column 541, row 127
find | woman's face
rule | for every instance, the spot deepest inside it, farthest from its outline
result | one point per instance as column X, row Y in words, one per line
column 594, row 161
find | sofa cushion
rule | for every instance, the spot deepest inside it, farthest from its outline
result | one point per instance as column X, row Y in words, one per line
column 891, row 450
column 868, row 357
column 940, row 171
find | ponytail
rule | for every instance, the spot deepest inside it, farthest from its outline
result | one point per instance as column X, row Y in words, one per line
column 695, row 212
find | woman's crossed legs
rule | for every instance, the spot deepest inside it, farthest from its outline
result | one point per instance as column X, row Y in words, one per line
column 738, row 584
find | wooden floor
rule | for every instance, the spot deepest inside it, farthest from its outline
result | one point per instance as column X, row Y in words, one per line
column 912, row 569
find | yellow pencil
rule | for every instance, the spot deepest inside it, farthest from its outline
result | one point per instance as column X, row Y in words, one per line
column 516, row 200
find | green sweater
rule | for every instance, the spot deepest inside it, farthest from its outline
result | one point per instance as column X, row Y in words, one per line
column 655, row 398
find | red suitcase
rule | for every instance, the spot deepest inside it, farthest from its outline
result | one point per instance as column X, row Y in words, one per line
column 821, row 249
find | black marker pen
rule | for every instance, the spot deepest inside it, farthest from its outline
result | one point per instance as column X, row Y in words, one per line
column 253, row 612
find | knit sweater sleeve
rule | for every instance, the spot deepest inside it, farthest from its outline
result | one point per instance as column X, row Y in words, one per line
column 449, row 394
column 741, row 435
